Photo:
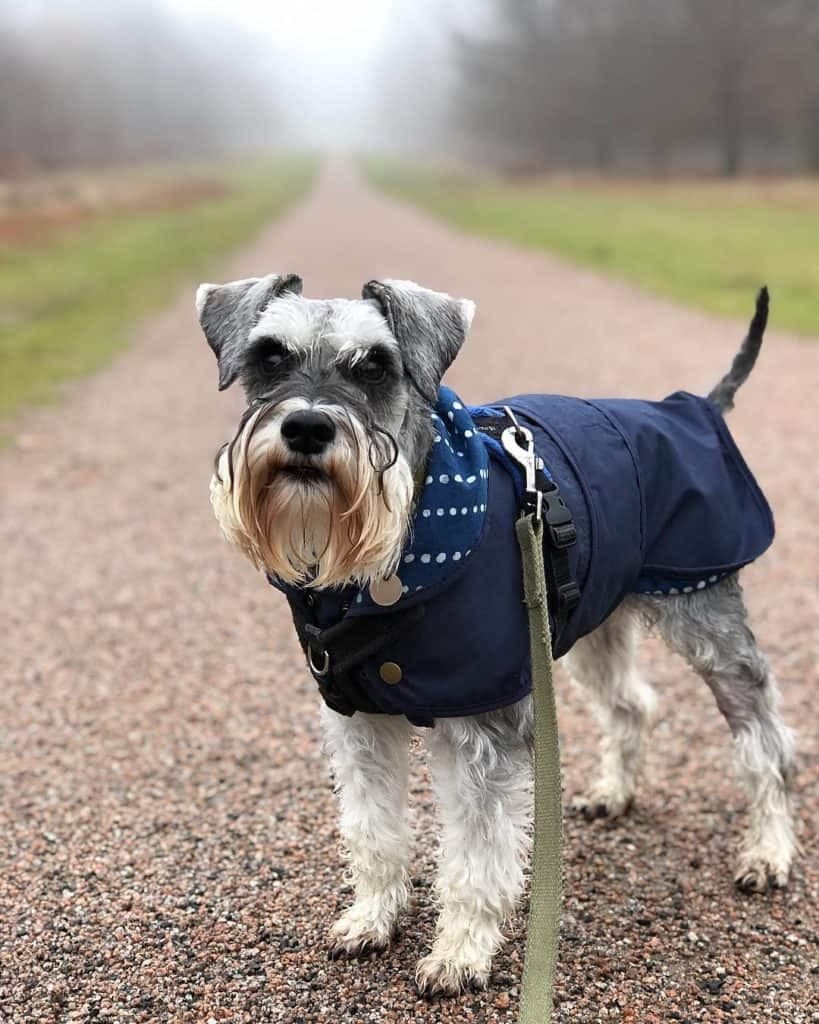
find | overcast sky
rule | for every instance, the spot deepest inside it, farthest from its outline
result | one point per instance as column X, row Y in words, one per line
column 315, row 27
column 325, row 51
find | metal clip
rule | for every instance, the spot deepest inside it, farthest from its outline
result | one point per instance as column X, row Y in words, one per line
column 519, row 442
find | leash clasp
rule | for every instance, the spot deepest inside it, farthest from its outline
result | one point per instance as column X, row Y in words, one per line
column 519, row 443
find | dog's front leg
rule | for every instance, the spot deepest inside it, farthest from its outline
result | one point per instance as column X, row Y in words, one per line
column 482, row 778
column 369, row 756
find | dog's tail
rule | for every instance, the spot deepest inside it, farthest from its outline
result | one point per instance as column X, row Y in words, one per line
column 744, row 360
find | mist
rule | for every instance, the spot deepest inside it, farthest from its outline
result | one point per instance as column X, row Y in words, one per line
column 645, row 85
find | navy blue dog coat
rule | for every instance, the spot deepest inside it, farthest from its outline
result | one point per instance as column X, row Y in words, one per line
column 662, row 502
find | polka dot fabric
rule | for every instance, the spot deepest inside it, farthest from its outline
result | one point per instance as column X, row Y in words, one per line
column 451, row 510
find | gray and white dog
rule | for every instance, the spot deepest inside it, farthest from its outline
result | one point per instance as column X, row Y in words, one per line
column 318, row 488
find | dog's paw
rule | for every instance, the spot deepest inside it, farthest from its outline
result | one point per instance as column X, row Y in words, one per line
column 353, row 936
column 602, row 802
column 448, row 976
column 758, row 873
column 765, row 857
column 359, row 946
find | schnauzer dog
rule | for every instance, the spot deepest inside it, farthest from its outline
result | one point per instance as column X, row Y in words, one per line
column 384, row 509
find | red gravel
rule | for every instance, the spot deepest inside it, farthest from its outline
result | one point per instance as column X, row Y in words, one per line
column 169, row 851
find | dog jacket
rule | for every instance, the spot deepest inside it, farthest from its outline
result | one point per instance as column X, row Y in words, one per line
column 662, row 503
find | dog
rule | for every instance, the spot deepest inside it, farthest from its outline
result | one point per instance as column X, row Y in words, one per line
column 380, row 506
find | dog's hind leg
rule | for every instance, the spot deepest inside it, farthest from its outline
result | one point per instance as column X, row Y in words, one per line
column 603, row 664
column 481, row 772
column 369, row 756
column 709, row 629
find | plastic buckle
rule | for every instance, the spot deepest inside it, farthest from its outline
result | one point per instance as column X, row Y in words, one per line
column 559, row 520
column 568, row 595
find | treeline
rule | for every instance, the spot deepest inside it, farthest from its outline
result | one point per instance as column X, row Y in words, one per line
column 698, row 84
column 100, row 82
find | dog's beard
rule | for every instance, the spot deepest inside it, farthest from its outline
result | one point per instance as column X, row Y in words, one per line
column 320, row 521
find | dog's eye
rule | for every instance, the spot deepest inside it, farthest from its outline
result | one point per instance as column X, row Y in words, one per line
column 272, row 354
column 372, row 369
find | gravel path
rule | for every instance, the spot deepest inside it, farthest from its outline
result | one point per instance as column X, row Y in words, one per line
column 168, row 848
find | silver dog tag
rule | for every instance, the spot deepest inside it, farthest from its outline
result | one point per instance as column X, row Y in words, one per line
column 386, row 592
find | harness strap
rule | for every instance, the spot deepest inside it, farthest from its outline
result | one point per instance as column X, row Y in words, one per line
column 545, row 887
column 334, row 653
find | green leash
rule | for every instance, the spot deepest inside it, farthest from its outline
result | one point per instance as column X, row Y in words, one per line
column 544, row 902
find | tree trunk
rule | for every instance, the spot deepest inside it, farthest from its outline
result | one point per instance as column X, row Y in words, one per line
column 603, row 153
column 732, row 124
column 660, row 153
column 811, row 135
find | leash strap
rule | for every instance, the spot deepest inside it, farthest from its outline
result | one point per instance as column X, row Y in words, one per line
column 545, row 888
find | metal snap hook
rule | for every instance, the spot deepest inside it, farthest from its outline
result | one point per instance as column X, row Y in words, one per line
column 519, row 442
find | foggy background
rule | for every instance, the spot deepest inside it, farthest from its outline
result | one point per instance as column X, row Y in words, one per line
column 635, row 85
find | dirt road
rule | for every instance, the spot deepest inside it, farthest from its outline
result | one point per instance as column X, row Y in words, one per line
column 168, row 850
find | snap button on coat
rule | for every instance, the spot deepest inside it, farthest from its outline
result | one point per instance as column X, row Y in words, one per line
column 391, row 673
column 387, row 591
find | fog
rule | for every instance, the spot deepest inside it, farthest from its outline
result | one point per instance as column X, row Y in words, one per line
column 627, row 85
column 316, row 73
column 321, row 57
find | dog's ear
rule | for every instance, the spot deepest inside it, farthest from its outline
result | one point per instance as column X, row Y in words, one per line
column 228, row 312
column 430, row 328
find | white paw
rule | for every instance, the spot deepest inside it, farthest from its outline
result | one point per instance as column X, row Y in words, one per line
column 769, row 848
column 367, row 927
column 450, row 975
column 758, row 870
column 605, row 799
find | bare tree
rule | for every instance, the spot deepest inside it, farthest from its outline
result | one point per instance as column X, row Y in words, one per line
column 728, row 37
column 506, row 92
column 102, row 84
column 798, row 73
column 634, row 80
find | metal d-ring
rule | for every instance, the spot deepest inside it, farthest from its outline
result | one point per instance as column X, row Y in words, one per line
column 325, row 668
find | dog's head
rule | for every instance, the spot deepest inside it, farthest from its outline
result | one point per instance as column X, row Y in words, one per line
column 317, row 484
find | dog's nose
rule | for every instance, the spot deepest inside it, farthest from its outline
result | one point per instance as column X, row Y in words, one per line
column 308, row 431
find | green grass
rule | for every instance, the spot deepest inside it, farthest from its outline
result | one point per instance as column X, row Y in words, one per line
column 65, row 307
column 707, row 244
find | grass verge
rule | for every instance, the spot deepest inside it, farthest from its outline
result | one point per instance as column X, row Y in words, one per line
column 67, row 305
column 707, row 244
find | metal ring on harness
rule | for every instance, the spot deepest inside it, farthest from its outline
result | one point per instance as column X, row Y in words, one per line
column 325, row 668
